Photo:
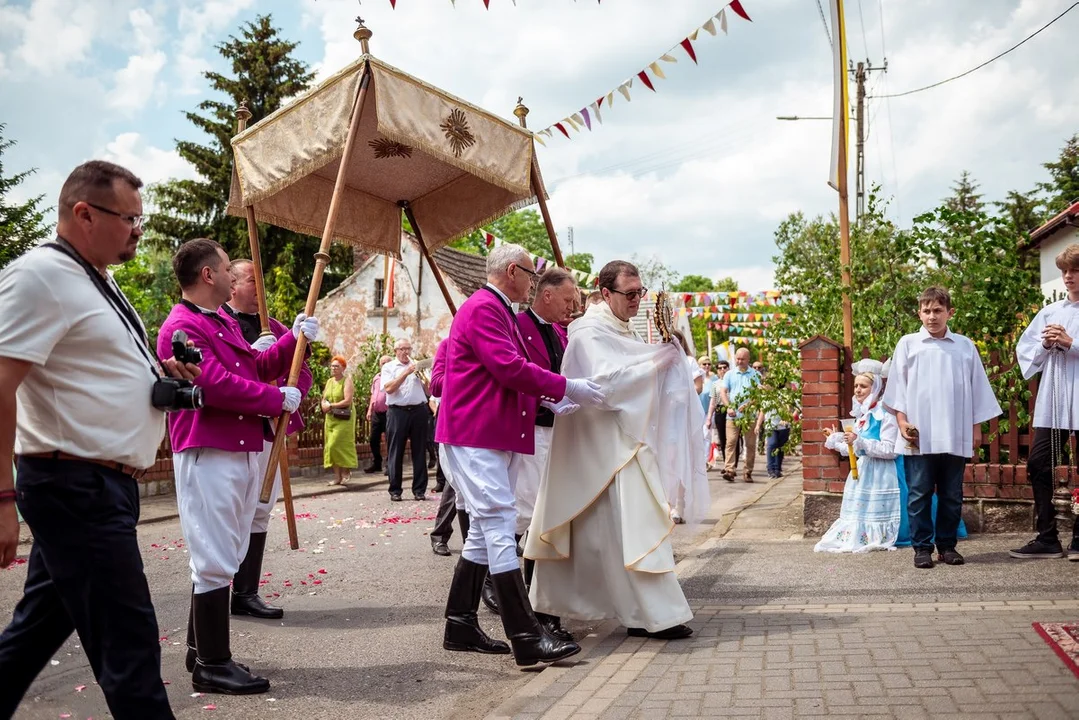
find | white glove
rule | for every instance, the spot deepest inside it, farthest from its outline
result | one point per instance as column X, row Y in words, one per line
column 291, row 397
column 668, row 356
column 584, row 392
column 565, row 406
column 306, row 325
column 264, row 343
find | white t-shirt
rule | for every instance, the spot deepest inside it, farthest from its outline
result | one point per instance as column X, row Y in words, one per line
column 411, row 390
column 88, row 391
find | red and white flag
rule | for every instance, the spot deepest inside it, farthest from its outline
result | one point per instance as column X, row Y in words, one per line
column 387, row 297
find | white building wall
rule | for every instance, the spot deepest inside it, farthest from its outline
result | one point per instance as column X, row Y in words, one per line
column 348, row 314
column 1052, row 286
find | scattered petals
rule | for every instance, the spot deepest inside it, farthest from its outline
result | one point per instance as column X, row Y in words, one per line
column 79, row 688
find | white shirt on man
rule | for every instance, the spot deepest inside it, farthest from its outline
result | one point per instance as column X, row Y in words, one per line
column 1034, row 358
column 411, row 390
column 941, row 385
column 88, row 390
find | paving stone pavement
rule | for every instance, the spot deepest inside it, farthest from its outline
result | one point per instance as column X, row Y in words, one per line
column 782, row 632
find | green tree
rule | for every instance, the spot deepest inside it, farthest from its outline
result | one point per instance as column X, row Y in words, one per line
column 1063, row 186
column 580, row 261
column 1021, row 212
column 655, row 275
column 694, row 283
column 264, row 75
column 726, row 284
column 965, row 196
column 22, row 225
column 150, row 285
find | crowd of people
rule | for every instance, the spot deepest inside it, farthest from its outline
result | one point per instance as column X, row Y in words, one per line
column 562, row 432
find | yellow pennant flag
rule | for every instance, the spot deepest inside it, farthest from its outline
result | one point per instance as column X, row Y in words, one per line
column 654, row 67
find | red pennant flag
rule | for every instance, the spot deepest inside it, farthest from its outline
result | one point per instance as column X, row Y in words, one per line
column 487, row 4
column 393, row 4
column 688, row 47
column 599, row 103
column 736, row 6
column 488, row 239
column 644, row 78
column 559, row 126
column 387, row 297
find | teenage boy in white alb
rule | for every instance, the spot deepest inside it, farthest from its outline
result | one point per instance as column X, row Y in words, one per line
column 940, row 394
column 1048, row 347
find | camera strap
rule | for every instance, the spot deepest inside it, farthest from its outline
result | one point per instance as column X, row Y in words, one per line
column 117, row 302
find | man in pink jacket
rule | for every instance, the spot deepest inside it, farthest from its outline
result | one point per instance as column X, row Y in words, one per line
column 215, row 450
column 491, row 392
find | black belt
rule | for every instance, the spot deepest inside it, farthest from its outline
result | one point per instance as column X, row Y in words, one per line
column 408, row 407
column 131, row 471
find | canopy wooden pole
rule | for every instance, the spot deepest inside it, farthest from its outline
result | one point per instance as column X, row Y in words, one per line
column 427, row 255
column 242, row 116
column 322, row 258
column 385, row 286
column 537, row 187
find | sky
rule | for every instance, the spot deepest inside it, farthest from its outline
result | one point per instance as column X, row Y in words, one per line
column 698, row 173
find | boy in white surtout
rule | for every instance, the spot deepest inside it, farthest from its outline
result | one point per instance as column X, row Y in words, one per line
column 940, row 395
column 1047, row 346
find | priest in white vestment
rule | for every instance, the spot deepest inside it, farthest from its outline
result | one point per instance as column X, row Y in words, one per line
column 600, row 534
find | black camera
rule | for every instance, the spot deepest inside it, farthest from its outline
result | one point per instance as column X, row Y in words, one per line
column 171, row 394
column 183, row 352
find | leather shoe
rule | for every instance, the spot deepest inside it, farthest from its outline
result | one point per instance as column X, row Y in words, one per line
column 463, row 631
column 192, row 656
column 440, row 548
column 417, row 496
column 529, row 640
column 372, row 468
column 254, row 606
column 677, row 632
column 395, row 497
column 553, row 625
column 226, row 678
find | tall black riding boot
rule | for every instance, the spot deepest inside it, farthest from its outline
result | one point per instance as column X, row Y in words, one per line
column 487, row 593
column 215, row 670
column 463, row 630
column 189, row 661
column 530, row 641
column 245, row 584
column 552, row 623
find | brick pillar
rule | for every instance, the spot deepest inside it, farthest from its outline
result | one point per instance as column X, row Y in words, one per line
column 823, row 471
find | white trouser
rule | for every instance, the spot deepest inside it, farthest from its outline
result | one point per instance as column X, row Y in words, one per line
column 529, row 475
column 261, row 522
column 458, row 501
column 485, row 480
column 216, row 493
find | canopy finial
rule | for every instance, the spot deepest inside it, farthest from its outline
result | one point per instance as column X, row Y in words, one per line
column 363, row 35
column 521, row 112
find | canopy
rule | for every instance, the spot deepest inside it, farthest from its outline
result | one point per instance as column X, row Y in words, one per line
column 458, row 166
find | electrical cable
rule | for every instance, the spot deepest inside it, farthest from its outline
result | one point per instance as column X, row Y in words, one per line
column 824, row 22
column 990, row 60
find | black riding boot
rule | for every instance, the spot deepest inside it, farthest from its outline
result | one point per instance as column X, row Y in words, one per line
column 245, row 584
column 463, row 630
column 215, row 671
column 530, row 641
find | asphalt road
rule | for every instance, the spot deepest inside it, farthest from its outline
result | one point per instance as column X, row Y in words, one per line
column 361, row 637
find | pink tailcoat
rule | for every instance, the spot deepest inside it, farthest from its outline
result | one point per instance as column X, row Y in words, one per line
column 232, row 417
column 490, row 389
column 536, row 349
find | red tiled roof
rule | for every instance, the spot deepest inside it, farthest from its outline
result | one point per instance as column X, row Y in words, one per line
column 1068, row 218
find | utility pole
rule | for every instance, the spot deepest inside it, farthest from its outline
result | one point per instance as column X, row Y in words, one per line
column 861, row 72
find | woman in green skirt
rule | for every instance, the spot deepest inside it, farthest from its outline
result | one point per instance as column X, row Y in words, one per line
column 339, row 434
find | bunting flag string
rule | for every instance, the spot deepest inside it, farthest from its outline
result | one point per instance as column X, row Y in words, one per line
column 762, row 341
column 486, row 4
column 582, row 278
column 686, row 44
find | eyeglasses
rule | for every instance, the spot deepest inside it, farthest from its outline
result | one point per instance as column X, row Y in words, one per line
column 632, row 294
column 135, row 221
column 532, row 276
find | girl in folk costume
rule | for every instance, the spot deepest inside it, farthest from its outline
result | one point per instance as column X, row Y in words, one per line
column 872, row 509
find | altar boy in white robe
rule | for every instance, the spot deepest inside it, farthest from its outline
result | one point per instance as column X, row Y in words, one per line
column 940, row 395
column 600, row 534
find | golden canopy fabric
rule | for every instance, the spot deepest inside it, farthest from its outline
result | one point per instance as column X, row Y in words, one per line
column 459, row 166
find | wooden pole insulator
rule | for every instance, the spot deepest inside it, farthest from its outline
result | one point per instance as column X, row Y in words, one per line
column 407, row 208
column 322, row 258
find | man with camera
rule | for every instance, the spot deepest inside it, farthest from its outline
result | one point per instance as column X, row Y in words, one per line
column 243, row 307
column 216, row 450
column 75, row 362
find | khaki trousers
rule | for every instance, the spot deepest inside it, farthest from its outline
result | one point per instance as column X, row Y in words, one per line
column 733, row 434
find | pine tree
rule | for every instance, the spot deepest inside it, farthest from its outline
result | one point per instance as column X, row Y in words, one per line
column 965, row 197
column 22, row 225
column 1063, row 189
column 264, row 76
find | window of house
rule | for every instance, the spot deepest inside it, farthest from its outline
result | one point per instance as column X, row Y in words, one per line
column 380, row 291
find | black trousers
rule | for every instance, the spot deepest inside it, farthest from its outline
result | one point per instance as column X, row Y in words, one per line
column 1040, row 473
column 407, row 423
column 84, row 574
column 378, row 428
column 447, row 511
column 719, row 422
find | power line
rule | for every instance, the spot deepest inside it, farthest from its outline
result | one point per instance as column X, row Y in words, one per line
column 990, row 60
column 824, row 22
column 861, row 20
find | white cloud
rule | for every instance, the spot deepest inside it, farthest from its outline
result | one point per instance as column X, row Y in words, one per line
column 200, row 24
column 3, row 64
column 51, row 35
column 135, row 84
column 151, row 164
